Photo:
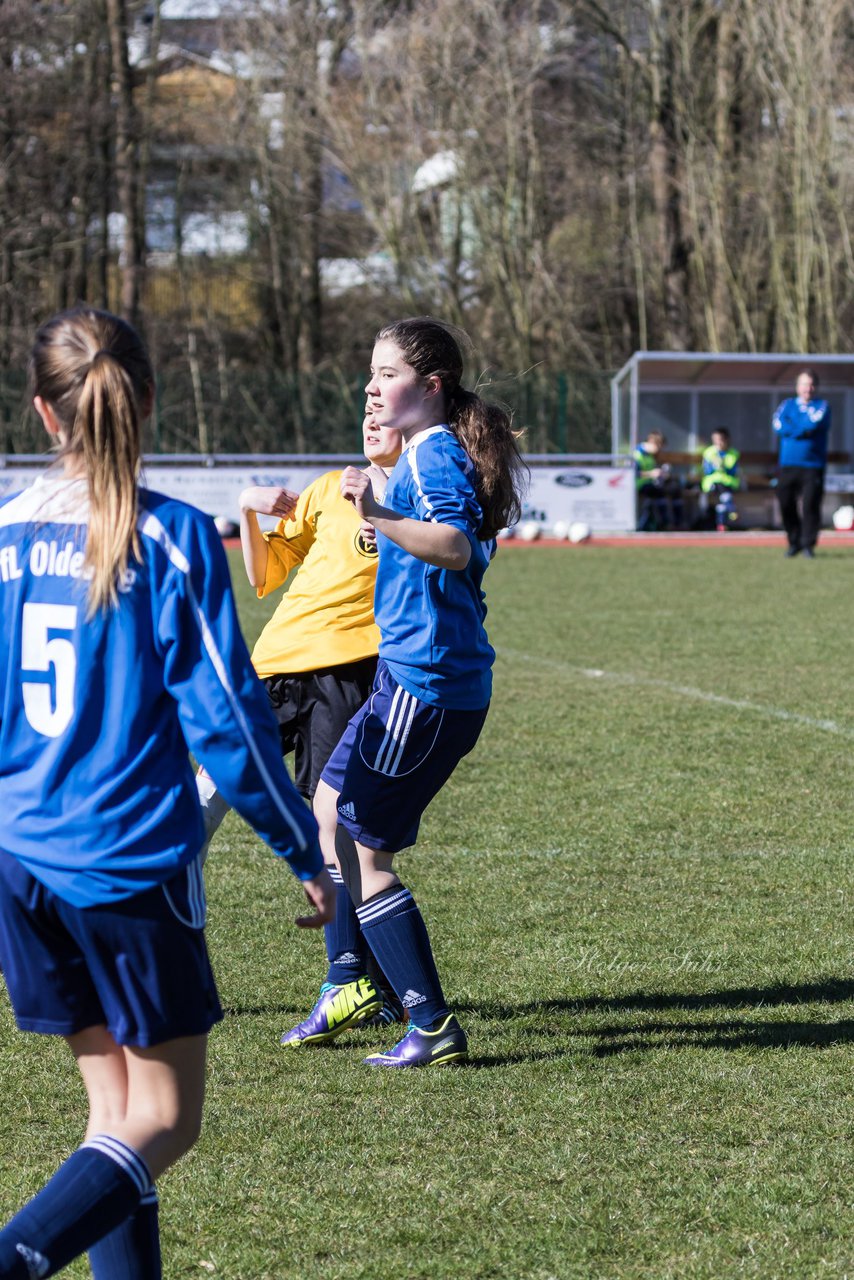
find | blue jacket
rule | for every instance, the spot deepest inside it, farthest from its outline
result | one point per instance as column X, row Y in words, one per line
column 98, row 715
column 803, row 430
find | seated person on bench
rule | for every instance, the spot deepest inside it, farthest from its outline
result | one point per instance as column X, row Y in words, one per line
column 659, row 492
column 721, row 479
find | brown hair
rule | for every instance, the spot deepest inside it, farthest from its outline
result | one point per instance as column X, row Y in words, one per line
column 484, row 430
column 94, row 372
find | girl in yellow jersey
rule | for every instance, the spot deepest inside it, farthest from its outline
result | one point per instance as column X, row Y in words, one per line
column 317, row 657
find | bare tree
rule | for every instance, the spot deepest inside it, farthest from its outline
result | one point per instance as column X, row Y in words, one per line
column 442, row 139
column 127, row 162
column 568, row 178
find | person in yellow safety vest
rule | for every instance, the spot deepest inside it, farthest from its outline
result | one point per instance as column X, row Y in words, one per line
column 659, row 497
column 721, row 479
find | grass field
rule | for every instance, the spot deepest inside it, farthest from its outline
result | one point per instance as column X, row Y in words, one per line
column 639, row 892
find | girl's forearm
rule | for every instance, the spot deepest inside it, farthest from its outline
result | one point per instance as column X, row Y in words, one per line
column 254, row 547
column 434, row 543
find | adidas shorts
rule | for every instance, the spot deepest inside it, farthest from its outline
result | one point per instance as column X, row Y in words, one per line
column 395, row 756
column 139, row 966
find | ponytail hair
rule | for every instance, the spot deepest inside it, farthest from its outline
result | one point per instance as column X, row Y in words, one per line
column 433, row 349
column 93, row 371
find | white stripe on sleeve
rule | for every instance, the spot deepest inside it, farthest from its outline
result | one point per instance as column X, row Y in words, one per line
column 151, row 527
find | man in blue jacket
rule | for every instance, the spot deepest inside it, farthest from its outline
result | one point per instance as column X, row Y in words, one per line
column 803, row 425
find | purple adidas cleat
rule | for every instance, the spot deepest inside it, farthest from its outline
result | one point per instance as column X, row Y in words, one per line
column 420, row 1048
column 338, row 1009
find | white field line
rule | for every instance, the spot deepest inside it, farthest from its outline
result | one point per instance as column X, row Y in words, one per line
column 680, row 690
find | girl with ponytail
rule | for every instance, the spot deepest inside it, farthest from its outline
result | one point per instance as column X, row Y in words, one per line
column 457, row 483
column 120, row 653
column 93, row 387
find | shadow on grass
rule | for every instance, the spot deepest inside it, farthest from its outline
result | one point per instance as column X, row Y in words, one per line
column 824, row 991
column 674, row 1033
column 678, row 1035
column 485, row 1062
column 292, row 1012
column 723, row 1035
column 659, row 1034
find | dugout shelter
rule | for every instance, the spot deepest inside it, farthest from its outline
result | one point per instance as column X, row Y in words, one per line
column 686, row 394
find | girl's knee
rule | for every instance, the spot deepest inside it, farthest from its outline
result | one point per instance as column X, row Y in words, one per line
column 105, row 1115
column 326, row 816
column 187, row 1132
column 166, row 1095
column 174, row 1134
column 324, row 805
column 365, row 871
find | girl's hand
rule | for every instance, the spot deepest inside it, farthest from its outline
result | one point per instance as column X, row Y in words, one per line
column 322, row 895
column 356, row 488
column 378, row 479
column 269, row 500
column 368, row 532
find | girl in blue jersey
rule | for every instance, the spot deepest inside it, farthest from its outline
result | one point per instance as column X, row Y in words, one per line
column 120, row 652
column 457, row 483
column 317, row 658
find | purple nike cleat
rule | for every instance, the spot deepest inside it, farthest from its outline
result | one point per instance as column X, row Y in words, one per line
column 420, row 1048
column 392, row 1011
column 338, row 1009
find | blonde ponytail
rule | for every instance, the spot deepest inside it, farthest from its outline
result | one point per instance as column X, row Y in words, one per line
column 107, row 425
column 93, row 370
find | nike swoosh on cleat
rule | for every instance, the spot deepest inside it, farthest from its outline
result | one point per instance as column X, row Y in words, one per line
column 349, row 1001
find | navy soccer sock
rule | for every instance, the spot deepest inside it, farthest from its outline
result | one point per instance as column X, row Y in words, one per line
column 131, row 1251
column 397, row 935
column 98, row 1186
column 345, row 942
column 392, row 1011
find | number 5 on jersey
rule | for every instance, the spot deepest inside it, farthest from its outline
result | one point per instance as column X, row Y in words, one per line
column 41, row 650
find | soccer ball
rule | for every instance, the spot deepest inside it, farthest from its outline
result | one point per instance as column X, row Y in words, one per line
column 529, row 531
column 579, row 531
column 560, row 530
column 843, row 518
column 226, row 528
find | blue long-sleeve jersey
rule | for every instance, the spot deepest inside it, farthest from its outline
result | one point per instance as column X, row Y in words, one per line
column 803, row 428
column 97, row 794
column 431, row 620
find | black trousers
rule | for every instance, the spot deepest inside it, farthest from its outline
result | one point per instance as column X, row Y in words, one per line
column 806, row 484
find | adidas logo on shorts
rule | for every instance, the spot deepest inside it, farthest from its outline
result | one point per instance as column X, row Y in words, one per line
column 348, row 810
column 412, row 998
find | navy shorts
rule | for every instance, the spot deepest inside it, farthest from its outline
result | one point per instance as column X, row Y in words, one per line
column 139, row 966
column 395, row 756
column 312, row 709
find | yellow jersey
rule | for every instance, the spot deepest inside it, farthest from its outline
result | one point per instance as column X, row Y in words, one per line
column 326, row 618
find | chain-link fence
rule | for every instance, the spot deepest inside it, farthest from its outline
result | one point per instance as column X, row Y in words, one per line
column 225, row 410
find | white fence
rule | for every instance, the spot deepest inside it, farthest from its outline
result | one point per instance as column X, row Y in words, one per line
column 562, row 488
